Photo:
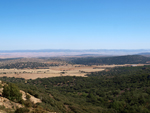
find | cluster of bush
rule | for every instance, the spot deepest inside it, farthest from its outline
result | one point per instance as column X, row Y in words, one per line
column 31, row 65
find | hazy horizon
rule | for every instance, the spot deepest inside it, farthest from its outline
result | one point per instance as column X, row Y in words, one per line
column 69, row 52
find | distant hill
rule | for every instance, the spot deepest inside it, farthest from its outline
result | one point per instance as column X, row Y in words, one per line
column 129, row 59
column 92, row 55
column 2, row 59
column 68, row 52
column 147, row 53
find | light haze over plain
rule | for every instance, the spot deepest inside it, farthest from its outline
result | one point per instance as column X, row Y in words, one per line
column 74, row 24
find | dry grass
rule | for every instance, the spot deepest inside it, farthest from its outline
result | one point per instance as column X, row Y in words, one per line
column 69, row 70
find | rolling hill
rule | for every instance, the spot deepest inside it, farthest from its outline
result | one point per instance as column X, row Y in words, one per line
column 129, row 59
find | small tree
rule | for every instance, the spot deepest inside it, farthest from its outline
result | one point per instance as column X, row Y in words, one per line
column 12, row 92
column 28, row 96
column 22, row 110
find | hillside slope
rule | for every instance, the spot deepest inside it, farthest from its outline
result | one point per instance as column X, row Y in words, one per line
column 130, row 59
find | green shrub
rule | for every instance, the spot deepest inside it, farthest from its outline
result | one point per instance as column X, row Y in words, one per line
column 12, row 92
column 28, row 103
column 22, row 110
column 28, row 96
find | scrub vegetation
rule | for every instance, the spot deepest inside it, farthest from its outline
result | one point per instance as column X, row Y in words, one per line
column 122, row 89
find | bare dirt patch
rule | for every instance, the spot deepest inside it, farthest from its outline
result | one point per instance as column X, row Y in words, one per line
column 32, row 98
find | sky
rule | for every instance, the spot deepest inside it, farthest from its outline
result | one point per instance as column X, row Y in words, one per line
column 74, row 24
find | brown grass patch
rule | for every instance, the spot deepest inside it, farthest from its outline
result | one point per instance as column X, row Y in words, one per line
column 68, row 70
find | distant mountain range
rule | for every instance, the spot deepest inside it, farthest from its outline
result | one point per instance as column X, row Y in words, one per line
column 69, row 52
column 84, row 50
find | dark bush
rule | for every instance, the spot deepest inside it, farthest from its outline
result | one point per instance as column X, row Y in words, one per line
column 22, row 110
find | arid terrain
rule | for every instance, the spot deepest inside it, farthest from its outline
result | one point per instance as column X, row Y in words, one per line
column 56, row 71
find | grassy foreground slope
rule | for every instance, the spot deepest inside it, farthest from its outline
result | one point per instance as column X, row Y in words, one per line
column 130, row 59
column 119, row 90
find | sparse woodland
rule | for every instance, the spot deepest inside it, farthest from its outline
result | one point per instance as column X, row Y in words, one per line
column 29, row 65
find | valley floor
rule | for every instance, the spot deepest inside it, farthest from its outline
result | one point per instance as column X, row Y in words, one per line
column 56, row 71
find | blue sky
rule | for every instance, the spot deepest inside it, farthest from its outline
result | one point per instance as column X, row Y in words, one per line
column 74, row 24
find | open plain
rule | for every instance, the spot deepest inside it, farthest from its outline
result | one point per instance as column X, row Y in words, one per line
column 56, row 71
